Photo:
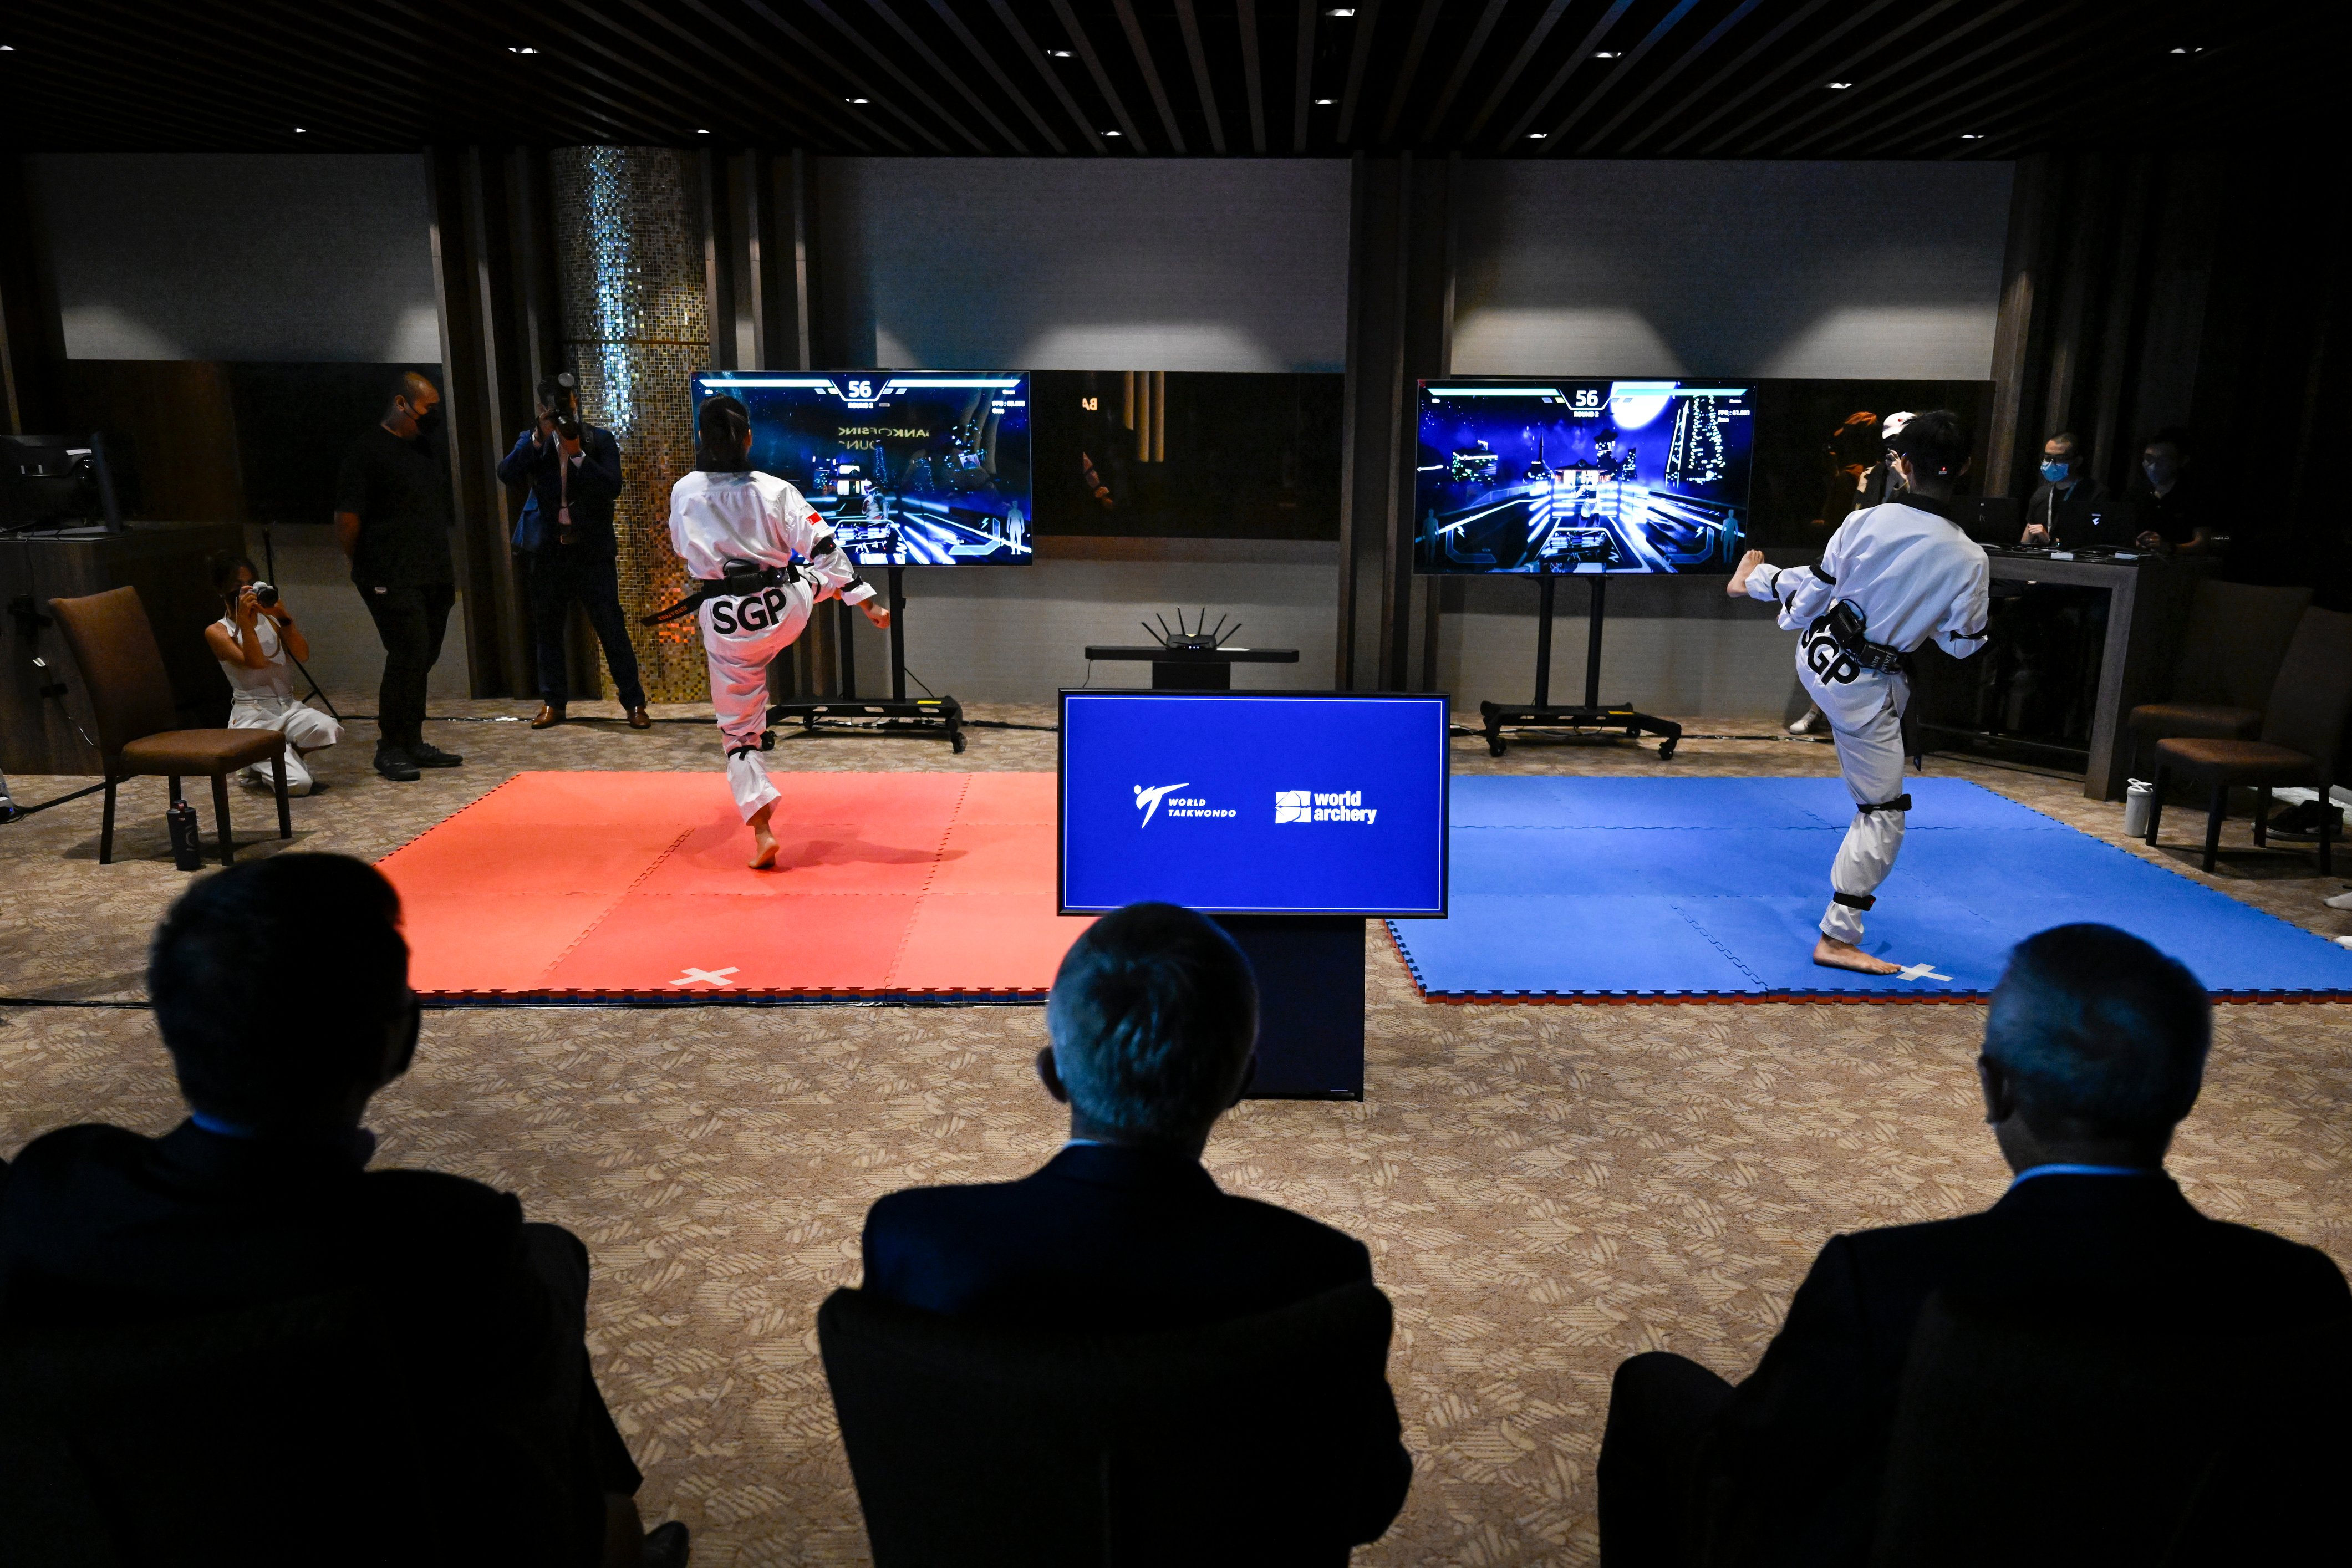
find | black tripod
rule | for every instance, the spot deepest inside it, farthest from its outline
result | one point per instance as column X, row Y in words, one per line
column 922, row 718
column 1589, row 714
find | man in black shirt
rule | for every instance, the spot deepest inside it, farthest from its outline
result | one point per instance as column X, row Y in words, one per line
column 2060, row 510
column 2172, row 511
column 392, row 518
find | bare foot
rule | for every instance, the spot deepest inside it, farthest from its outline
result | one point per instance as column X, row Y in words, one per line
column 1831, row 953
column 763, row 843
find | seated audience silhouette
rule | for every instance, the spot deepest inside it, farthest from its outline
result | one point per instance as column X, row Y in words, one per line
column 2095, row 1050
column 1154, row 1023
column 281, row 987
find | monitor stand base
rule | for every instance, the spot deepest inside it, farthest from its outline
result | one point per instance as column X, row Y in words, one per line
column 1590, row 715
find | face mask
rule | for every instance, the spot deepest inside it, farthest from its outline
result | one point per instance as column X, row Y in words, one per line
column 2159, row 473
column 2055, row 472
column 428, row 421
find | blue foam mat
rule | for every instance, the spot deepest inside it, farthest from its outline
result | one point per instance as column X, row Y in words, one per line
column 1612, row 887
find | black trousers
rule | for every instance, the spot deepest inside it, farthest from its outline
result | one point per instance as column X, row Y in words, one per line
column 560, row 1260
column 558, row 576
column 1659, row 1407
column 410, row 622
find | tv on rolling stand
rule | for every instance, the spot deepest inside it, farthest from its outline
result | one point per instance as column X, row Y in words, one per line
column 912, row 467
column 1589, row 477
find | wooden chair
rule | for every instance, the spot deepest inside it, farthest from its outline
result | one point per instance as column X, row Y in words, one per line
column 1266, row 1440
column 315, row 1431
column 2104, row 1444
column 2230, row 652
column 2301, row 738
column 114, row 644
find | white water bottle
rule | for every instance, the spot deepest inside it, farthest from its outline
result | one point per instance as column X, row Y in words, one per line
column 2140, row 795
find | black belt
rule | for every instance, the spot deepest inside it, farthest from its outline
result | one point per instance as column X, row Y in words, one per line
column 1843, row 627
column 743, row 579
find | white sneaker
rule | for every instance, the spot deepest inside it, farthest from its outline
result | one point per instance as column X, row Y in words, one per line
column 1804, row 726
column 2342, row 901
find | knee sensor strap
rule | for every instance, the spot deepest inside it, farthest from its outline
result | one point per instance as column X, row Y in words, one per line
column 1853, row 901
column 1900, row 802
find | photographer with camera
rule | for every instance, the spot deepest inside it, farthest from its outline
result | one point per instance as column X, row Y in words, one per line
column 573, row 469
column 252, row 641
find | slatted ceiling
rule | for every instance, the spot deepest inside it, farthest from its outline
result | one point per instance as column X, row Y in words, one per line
column 1714, row 78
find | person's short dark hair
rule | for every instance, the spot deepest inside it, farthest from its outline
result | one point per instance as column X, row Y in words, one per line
column 2098, row 1028
column 1936, row 443
column 408, row 384
column 720, row 426
column 274, row 982
column 2068, row 439
column 224, row 565
column 2173, row 435
column 1153, row 1016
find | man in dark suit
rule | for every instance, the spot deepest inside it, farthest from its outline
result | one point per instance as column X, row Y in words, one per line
column 281, row 987
column 573, row 469
column 2094, row 1049
column 1153, row 1020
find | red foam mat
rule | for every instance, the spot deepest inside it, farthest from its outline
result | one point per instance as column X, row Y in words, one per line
column 572, row 884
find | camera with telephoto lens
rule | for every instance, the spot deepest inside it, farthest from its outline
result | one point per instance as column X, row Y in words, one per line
column 560, row 396
column 266, row 595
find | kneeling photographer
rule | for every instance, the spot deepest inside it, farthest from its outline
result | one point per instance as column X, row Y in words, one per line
column 565, row 533
column 252, row 640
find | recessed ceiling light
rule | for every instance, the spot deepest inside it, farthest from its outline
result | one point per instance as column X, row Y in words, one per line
column 1604, row 54
column 1840, row 86
column 1538, row 135
column 856, row 100
column 301, row 131
column 1324, row 102
column 7, row 48
column 1971, row 135
column 1110, row 133
column 1341, row 11
column 520, row 49
column 699, row 131
column 1058, row 54
column 2198, row 50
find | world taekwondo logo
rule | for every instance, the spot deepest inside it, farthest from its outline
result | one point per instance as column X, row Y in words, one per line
column 1150, row 797
column 1312, row 806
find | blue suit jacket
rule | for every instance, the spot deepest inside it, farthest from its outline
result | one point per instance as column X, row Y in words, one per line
column 1102, row 1240
column 595, row 481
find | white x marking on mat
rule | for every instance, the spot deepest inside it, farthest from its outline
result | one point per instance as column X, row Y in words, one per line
column 707, row 976
column 1915, row 972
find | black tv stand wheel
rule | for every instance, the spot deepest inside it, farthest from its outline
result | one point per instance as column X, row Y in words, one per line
column 1666, row 747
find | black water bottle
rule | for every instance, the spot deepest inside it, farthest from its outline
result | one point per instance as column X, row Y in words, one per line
column 186, row 853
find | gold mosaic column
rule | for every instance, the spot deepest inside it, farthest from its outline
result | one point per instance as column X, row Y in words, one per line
column 636, row 324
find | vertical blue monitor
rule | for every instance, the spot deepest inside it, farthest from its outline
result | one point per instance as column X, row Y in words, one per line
column 1537, row 474
column 912, row 467
column 1259, row 803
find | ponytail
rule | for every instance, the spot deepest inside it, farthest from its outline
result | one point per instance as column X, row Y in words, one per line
column 721, row 425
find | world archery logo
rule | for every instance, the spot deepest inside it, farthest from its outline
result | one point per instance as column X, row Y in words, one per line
column 1316, row 806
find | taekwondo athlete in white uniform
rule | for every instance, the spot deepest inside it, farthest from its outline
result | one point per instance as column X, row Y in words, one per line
column 763, row 560
column 1894, row 577
column 251, row 641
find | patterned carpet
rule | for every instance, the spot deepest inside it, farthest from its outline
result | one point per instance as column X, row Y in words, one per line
column 1545, row 1189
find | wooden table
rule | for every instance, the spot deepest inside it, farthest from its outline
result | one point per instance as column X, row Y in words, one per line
column 2148, row 607
column 167, row 563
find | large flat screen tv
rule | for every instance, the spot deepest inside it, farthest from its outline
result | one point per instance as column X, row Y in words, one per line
column 912, row 467
column 1283, row 803
column 1538, row 475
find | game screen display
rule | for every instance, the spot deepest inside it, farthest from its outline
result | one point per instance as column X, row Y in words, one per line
column 1544, row 475
column 911, row 468
column 1254, row 803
